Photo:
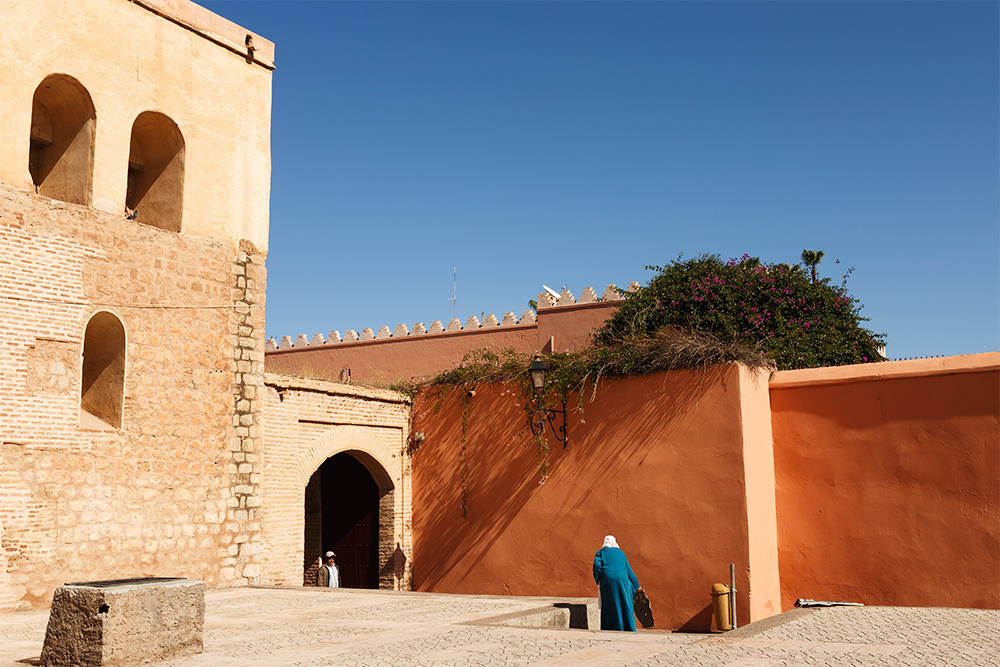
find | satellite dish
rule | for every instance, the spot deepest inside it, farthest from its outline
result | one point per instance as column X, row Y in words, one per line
column 554, row 294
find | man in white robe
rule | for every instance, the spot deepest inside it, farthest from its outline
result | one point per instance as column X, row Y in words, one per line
column 328, row 575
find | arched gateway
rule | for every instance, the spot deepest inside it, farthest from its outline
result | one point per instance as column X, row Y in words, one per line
column 349, row 509
column 336, row 476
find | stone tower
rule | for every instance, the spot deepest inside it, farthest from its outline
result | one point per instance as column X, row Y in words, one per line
column 134, row 186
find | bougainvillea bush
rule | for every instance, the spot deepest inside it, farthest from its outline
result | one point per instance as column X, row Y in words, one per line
column 773, row 308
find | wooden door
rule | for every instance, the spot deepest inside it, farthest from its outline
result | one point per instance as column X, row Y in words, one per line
column 350, row 519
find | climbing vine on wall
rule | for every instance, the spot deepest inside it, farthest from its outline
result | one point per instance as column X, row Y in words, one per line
column 569, row 373
column 693, row 314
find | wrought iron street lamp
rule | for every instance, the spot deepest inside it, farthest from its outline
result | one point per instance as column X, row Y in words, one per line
column 538, row 372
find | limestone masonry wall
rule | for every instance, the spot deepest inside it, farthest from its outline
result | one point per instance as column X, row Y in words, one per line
column 170, row 493
column 171, row 57
column 131, row 336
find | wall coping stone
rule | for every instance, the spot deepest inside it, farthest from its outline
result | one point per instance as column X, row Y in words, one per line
column 884, row 370
column 294, row 382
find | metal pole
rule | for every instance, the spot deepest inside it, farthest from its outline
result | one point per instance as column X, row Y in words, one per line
column 732, row 593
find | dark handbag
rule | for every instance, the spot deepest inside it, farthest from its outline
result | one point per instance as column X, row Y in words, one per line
column 643, row 612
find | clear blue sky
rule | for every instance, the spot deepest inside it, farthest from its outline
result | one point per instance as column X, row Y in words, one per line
column 573, row 143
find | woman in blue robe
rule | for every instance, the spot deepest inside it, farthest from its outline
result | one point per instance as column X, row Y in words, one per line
column 617, row 584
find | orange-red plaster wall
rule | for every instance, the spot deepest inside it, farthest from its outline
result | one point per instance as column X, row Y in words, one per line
column 758, row 470
column 569, row 328
column 888, row 482
column 386, row 360
column 656, row 461
column 381, row 362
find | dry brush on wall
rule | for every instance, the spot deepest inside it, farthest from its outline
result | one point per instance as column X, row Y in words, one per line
column 577, row 372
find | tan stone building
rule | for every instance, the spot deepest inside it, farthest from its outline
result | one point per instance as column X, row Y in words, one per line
column 134, row 190
column 134, row 186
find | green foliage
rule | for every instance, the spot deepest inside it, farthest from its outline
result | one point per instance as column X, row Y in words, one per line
column 693, row 315
column 812, row 258
column 774, row 308
column 569, row 372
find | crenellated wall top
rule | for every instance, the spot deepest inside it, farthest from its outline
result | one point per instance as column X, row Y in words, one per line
column 528, row 317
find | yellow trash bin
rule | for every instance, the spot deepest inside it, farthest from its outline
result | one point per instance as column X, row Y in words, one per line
column 720, row 606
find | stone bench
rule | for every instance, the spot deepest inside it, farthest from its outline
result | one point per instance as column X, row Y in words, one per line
column 124, row 622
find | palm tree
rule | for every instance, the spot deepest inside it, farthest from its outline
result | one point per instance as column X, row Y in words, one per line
column 812, row 258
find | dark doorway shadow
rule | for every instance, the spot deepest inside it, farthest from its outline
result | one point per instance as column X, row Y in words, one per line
column 342, row 515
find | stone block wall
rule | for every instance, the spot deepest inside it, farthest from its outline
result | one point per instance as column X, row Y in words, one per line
column 173, row 491
column 169, row 56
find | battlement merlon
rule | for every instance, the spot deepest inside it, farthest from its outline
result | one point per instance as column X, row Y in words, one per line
column 545, row 303
column 213, row 27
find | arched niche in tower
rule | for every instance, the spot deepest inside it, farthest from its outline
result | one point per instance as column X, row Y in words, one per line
column 156, row 172
column 102, row 387
column 61, row 156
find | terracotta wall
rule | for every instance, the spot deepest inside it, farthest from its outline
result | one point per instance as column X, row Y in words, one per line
column 888, row 482
column 382, row 361
column 656, row 461
column 881, row 486
column 385, row 360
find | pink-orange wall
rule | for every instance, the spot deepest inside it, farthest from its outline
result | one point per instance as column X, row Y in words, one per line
column 383, row 361
column 888, row 482
column 656, row 461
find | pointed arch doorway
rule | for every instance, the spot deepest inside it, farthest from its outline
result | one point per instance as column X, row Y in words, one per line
column 348, row 510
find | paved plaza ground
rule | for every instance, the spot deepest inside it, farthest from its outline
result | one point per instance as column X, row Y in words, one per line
column 269, row 627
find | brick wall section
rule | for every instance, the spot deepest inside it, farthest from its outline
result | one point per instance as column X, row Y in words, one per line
column 308, row 421
column 162, row 495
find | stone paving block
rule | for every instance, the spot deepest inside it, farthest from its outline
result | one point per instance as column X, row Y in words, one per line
column 313, row 628
column 607, row 655
column 880, row 649
column 795, row 645
column 837, row 647
column 756, row 642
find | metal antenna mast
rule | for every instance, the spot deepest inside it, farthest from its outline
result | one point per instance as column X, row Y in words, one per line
column 454, row 287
